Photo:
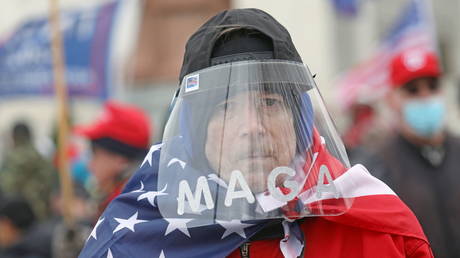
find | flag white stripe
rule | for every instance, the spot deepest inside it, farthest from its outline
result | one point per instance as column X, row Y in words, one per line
column 356, row 182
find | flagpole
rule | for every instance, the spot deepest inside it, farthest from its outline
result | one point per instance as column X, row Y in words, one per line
column 60, row 88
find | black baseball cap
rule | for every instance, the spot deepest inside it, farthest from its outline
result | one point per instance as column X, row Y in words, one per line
column 200, row 50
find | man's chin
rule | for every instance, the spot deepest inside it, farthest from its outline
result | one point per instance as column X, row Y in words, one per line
column 256, row 178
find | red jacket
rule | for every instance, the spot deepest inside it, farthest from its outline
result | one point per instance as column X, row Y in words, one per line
column 376, row 226
column 112, row 195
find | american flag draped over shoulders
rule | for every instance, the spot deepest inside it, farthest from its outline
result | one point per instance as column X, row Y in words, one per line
column 132, row 225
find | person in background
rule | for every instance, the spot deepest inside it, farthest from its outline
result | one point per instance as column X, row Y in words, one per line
column 80, row 171
column 20, row 235
column 26, row 173
column 356, row 136
column 77, row 158
column 119, row 139
column 420, row 162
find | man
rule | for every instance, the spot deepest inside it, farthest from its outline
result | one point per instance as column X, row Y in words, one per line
column 248, row 169
column 20, row 236
column 119, row 138
column 420, row 162
column 27, row 173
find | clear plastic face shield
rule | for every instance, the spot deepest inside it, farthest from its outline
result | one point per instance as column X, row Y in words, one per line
column 250, row 140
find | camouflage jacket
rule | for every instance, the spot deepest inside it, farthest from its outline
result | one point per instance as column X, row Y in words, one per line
column 25, row 172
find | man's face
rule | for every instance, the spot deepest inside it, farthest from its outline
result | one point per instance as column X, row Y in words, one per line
column 7, row 232
column 252, row 132
column 419, row 107
column 106, row 166
column 420, row 88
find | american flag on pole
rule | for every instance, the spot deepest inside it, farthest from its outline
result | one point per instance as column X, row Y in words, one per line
column 368, row 81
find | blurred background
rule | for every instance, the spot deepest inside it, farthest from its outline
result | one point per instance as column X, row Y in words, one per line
column 131, row 51
column 139, row 53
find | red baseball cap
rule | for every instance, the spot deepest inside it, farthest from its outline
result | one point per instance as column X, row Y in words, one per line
column 120, row 122
column 413, row 64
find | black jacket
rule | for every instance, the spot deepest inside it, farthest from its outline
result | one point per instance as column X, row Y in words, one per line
column 36, row 243
column 431, row 191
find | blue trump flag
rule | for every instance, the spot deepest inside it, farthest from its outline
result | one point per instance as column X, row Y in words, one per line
column 346, row 7
column 132, row 225
column 26, row 59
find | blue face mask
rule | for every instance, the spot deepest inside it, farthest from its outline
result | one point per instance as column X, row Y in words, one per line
column 424, row 116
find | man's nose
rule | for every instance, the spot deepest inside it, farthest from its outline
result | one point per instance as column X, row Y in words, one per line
column 251, row 123
column 425, row 91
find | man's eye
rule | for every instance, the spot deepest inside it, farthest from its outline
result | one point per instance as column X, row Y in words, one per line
column 411, row 89
column 271, row 102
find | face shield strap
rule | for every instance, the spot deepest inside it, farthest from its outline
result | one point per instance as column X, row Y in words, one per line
column 242, row 57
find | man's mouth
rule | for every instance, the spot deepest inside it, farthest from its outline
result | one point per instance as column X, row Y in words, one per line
column 256, row 152
column 256, row 156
